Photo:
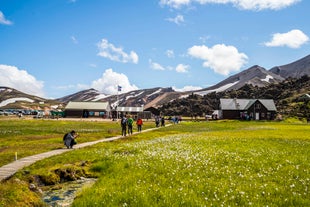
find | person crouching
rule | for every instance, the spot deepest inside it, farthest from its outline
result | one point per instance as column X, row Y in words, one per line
column 69, row 139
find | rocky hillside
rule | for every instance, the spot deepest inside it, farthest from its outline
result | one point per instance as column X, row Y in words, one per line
column 256, row 76
column 296, row 69
column 14, row 99
column 85, row 95
column 286, row 94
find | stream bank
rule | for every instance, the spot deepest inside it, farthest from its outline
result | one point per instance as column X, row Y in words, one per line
column 65, row 196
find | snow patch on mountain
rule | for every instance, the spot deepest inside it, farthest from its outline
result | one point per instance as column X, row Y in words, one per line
column 13, row 100
column 155, row 92
column 98, row 97
column 133, row 95
column 267, row 79
column 222, row 88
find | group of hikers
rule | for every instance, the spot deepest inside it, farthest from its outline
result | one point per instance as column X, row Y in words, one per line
column 127, row 124
column 69, row 139
column 159, row 120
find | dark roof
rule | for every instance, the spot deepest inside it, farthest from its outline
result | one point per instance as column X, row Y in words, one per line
column 244, row 104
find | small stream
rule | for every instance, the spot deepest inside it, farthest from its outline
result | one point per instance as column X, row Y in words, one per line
column 66, row 195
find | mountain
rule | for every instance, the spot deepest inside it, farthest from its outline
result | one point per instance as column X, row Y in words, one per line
column 85, row 95
column 296, row 69
column 291, row 97
column 13, row 99
column 156, row 97
column 255, row 75
column 152, row 97
column 146, row 97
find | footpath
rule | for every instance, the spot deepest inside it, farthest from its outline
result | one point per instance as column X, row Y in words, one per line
column 10, row 169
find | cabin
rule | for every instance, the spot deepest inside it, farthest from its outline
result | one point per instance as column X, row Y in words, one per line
column 86, row 109
column 247, row 109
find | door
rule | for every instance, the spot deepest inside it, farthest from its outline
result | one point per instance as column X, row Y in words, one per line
column 256, row 116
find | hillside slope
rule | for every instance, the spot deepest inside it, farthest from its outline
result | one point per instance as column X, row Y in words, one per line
column 286, row 94
column 14, row 99
column 296, row 69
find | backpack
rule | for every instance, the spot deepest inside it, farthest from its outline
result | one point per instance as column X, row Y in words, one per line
column 124, row 121
column 63, row 139
column 139, row 122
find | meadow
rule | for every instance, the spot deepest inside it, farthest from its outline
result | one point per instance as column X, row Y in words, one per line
column 222, row 163
column 34, row 136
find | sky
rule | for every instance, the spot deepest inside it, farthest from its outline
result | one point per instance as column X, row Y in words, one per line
column 54, row 48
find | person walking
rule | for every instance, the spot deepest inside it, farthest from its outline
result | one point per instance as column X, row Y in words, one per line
column 139, row 124
column 162, row 121
column 157, row 120
column 129, row 123
column 69, row 139
column 124, row 125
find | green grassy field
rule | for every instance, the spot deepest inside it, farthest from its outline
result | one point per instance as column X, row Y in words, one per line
column 224, row 163
column 29, row 137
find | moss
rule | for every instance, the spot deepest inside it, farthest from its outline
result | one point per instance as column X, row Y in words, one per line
column 49, row 179
column 62, row 174
column 17, row 193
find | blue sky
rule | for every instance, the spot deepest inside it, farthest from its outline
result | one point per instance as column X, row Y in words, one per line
column 53, row 48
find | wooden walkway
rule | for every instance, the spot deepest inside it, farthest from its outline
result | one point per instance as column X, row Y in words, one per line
column 10, row 169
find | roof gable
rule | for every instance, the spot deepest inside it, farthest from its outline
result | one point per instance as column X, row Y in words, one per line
column 244, row 104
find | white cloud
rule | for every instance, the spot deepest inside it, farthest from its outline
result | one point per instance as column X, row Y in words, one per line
column 220, row 58
column 11, row 76
column 74, row 40
column 181, row 68
column 155, row 66
column 175, row 3
column 3, row 20
column 241, row 4
column 264, row 4
column 109, row 81
column 187, row 88
column 170, row 53
column 293, row 39
column 179, row 19
column 108, row 50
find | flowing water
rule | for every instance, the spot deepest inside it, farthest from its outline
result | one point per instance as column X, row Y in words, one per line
column 65, row 196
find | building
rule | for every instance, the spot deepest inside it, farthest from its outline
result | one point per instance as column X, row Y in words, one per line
column 87, row 109
column 135, row 112
column 247, row 109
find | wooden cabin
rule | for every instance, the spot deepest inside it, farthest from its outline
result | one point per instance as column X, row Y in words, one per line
column 247, row 109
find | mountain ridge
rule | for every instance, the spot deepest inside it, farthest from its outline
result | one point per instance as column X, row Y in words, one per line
column 157, row 96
